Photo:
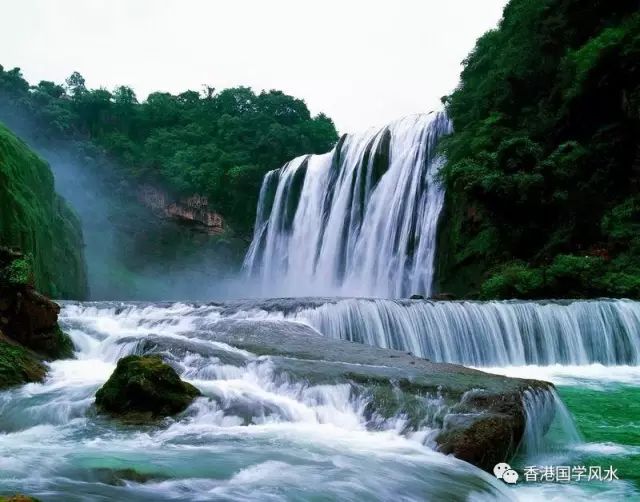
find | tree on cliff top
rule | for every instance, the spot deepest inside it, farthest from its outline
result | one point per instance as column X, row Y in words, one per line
column 219, row 144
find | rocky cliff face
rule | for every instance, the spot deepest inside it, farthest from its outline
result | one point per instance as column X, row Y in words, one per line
column 193, row 210
column 29, row 330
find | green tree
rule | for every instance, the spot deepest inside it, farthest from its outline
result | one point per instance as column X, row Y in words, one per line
column 546, row 153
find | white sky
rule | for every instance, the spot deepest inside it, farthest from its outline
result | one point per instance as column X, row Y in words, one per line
column 363, row 63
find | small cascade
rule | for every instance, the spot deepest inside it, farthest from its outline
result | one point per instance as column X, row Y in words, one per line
column 549, row 425
column 360, row 220
column 498, row 333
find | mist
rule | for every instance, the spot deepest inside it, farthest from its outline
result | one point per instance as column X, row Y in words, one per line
column 131, row 252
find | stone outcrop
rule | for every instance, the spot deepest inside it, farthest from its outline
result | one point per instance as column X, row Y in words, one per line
column 481, row 417
column 29, row 331
column 26, row 316
column 486, row 428
column 193, row 210
column 144, row 388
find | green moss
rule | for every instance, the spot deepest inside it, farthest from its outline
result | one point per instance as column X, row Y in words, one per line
column 18, row 365
column 18, row 497
column 62, row 346
column 20, row 271
column 34, row 219
column 143, row 387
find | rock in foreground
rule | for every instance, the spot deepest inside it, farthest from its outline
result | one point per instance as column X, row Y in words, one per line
column 143, row 388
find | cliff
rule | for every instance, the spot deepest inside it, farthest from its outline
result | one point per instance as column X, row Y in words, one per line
column 34, row 219
column 193, row 210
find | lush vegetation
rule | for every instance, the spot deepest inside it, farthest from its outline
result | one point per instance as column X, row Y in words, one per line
column 18, row 365
column 36, row 220
column 103, row 145
column 543, row 171
column 218, row 144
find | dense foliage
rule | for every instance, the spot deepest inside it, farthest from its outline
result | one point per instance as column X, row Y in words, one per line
column 102, row 146
column 543, row 171
column 36, row 220
column 218, row 144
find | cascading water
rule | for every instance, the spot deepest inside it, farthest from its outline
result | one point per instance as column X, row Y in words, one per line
column 360, row 220
column 543, row 409
column 488, row 333
column 256, row 434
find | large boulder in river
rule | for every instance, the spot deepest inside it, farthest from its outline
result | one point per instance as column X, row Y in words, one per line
column 142, row 388
column 486, row 428
column 481, row 417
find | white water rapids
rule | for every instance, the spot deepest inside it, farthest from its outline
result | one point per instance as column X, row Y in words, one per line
column 254, row 435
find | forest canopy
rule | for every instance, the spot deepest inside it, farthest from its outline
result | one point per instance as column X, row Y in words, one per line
column 543, row 171
column 218, row 144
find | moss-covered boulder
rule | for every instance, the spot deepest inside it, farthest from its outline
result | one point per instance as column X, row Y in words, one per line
column 120, row 477
column 18, row 497
column 18, row 365
column 143, row 388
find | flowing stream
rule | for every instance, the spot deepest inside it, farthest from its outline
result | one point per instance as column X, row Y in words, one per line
column 253, row 436
column 257, row 434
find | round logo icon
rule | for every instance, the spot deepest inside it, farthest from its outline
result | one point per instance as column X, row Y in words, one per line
column 504, row 472
column 500, row 469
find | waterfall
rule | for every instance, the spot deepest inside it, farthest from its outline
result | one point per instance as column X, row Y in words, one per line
column 497, row 333
column 359, row 220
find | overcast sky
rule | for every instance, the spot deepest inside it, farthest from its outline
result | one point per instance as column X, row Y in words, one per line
column 363, row 63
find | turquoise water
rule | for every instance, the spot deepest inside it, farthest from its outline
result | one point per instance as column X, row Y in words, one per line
column 609, row 421
column 303, row 442
column 604, row 403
